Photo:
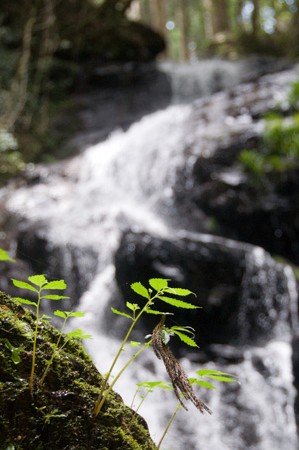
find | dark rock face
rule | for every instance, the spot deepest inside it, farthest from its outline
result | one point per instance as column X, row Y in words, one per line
column 234, row 283
column 85, row 32
column 265, row 215
column 295, row 360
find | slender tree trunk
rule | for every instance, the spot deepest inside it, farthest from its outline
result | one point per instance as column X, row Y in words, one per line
column 220, row 16
column 183, row 22
column 217, row 17
column 255, row 18
column 208, row 23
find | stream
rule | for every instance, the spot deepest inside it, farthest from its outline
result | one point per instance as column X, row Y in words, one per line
column 119, row 211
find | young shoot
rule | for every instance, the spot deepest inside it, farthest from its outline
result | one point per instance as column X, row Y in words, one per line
column 39, row 285
column 157, row 292
column 76, row 334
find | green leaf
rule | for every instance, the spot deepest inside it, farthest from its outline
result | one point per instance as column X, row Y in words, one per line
column 24, row 301
column 185, row 329
column 61, row 314
column 4, row 256
column 38, row 280
column 56, row 284
column 186, row 339
column 179, row 291
column 223, row 379
column 140, row 289
column 23, row 285
column 155, row 384
column 15, row 357
column 178, row 303
column 76, row 314
column 15, row 351
column 135, row 344
column 67, row 314
column 201, row 383
column 153, row 311
column 45, row 318
column 132, row 306
column 79, row 334
column 158, row 284
column 207, row 372
column 54, row 297
column 217, row 375
column 120, row 313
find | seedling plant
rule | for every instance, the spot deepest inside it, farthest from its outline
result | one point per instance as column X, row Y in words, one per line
column 159, row 292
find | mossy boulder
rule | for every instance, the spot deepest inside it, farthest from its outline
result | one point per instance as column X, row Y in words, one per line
column 58, row 414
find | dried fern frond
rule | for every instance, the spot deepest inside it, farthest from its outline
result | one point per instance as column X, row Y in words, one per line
column 177, row 375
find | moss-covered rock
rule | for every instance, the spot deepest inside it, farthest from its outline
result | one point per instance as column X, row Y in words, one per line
column 59, row 412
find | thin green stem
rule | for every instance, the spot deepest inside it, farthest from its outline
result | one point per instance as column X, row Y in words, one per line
column 138, row 407
column 34, row 344
column 168, row 426
column 49, row 363
column 104, row 392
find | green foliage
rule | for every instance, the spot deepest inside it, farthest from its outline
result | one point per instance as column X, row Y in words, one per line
column 278, row 151
column 293, row 96
column 40, row 285
column 157, row 291
column 15, row 351
column 76, row 334
column 215, row 375
column 4, row 256
column 11, row 160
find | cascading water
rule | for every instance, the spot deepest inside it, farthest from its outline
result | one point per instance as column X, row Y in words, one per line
column 129, row 181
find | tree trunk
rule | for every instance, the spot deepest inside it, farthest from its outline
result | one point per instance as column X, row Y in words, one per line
column 255, row 18
column 183, row 22
column 220, row 16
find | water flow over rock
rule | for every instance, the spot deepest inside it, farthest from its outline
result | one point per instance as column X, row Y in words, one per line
column 123, row 211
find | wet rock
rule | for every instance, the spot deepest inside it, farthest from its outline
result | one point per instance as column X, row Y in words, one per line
column 243, row 292
column 66, row 399
column 264, row 213
column 295, row 360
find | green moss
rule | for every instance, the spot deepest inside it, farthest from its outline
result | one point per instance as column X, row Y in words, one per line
column 59, row 414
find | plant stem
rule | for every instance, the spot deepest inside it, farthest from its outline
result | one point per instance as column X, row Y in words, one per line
column 103, row 392
column 107, row 391
column 34, row 344
column 49, row 363
column 168, row 426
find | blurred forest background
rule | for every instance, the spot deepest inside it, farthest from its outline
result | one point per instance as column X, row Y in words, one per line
column 51, row 48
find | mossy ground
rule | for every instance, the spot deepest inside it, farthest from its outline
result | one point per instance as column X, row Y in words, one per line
column 59, row 413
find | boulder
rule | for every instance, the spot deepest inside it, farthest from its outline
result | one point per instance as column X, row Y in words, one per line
column 243, row 292
column 263, row 212
column 59, row 412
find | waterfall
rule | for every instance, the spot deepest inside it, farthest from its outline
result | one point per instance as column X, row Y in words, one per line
column 82, row 207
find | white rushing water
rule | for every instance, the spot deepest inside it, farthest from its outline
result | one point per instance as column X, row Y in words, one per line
column 128, row 181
